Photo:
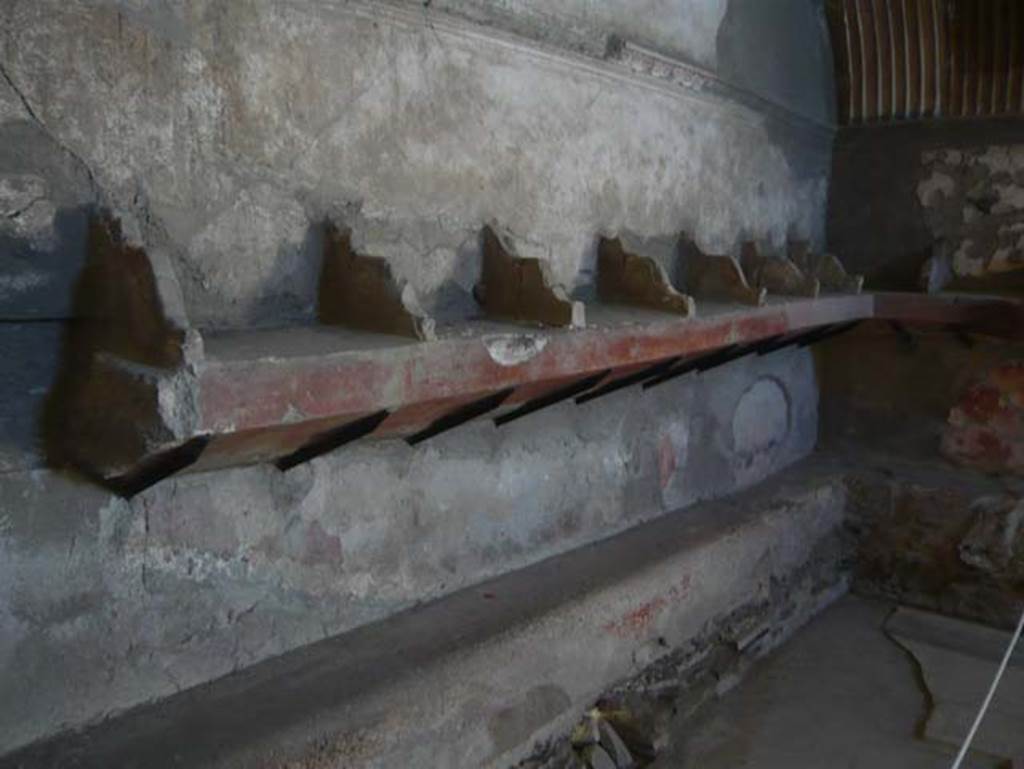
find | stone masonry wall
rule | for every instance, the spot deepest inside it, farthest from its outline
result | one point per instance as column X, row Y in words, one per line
column 974, row 202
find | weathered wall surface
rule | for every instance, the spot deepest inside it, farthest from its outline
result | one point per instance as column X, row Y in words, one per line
column 681, row 604
column 106, row 603
column 898, row 189
column 226, row 132
column 222, row 134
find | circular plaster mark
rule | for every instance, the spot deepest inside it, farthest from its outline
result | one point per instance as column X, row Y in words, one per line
column 761, row 418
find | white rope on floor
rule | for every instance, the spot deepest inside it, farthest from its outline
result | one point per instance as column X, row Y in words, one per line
column 988, row 697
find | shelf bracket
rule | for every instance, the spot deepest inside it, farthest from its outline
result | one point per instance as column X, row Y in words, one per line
column 521, row 289
column 827, row 268
column 362, row 292
column 626, row 278
column 716, row 276
column 777, row 274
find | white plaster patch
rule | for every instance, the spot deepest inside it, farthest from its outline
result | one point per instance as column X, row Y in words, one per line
column 514, row 349
column 761, row 418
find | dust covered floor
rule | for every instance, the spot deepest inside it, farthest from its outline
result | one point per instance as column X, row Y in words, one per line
column 839, row 694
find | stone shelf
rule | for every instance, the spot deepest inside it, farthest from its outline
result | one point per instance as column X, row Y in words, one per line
column 289, row 395
column 160, row 398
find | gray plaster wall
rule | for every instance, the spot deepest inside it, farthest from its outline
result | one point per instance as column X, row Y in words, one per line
column 223, row 133
column 685, row 28
column 106, row 603
column 778, row 49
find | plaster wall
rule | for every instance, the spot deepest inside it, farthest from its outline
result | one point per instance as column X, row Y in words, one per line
column 779, row 50
column 106, row 603
column 223, row 133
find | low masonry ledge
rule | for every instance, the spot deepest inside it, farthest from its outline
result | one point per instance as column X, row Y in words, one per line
column 458, row 682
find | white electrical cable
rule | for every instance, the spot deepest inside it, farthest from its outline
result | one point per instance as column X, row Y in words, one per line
column 991, row 693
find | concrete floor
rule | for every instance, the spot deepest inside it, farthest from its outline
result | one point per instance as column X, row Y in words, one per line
column 839, row 694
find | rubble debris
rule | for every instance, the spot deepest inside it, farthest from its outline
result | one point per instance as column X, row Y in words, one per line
column 632, row 724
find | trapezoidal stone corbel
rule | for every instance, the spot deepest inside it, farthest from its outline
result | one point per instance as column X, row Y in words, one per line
column 716, row 276
column 776, row 274
column 627, row 278
column 826, row 268
column 521, row 289
column 127, row 301
column 119, row 395
column 361, row 292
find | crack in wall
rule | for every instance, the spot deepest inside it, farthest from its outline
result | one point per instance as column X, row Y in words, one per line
column 34, row 118
column 18, row 213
